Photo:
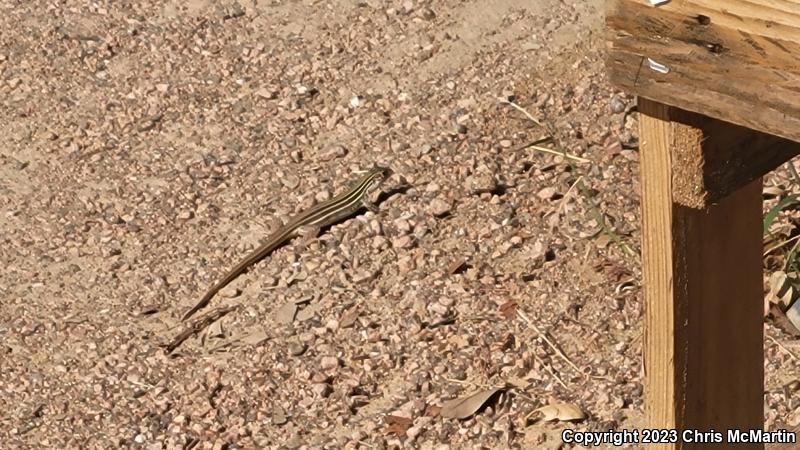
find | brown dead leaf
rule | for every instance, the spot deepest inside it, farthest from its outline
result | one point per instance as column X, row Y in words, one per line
column 612, row 270
column 457, row 266
column 432, row 411
column 603, row 240
column 781, row 321
column 464, row 407
column 561, row 411
column 508, row 309
column 397, row 425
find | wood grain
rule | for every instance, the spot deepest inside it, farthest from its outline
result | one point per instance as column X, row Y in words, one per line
column 712, row 158
column 703, row 291
column 734, row 60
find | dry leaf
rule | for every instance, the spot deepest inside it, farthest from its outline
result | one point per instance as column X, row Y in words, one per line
column 432, row 411
column 508, row 309
column 286, row 313
column 780, row 289
column 602, row 241
column 612, row 270
column 397, row 425
column 464, row 407
column 773, row 192
column 457, row 266
column 561, row 411
column 781, row 321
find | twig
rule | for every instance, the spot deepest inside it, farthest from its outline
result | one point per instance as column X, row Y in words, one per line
column 566, row 196
column 789, row 352
column 538, row 141
column 199, row 325
column 556, row 152
column 520, row 109
column 552, row 372
column 516, row 391
column 558, row 351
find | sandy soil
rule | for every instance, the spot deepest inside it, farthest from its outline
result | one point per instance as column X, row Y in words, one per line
column 148, row 146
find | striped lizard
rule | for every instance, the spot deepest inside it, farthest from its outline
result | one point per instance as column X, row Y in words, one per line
column 308, row 223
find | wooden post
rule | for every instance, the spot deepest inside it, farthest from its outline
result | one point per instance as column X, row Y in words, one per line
column 703, row 354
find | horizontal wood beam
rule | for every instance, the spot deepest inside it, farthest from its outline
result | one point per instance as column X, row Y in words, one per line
column 713, row 158
column 734, row 60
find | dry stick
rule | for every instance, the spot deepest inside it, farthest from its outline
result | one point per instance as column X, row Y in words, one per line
column 566, row 196
column 791, row 353
column 538, row 141
column 199, row 325
column 558, row 351
column 562, row 154
column 552, row 372
column 600, row 219
column 520, row 109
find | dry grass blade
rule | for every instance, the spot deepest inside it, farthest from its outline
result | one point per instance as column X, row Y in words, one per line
column 552, row 372
column 563, row 154
column 567, row 195
column 552, row 345
column 199, row 325
column 783, row 347
column 520, row 109
column 781, row 245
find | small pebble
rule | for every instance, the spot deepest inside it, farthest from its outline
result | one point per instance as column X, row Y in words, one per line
column 297, row 349
column 617, row 105
column 329, row 362
column 440, row 207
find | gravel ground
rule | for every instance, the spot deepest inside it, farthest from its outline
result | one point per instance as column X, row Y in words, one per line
column 149, row 146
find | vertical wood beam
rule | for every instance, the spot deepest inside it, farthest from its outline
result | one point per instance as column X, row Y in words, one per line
column 703, row 354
